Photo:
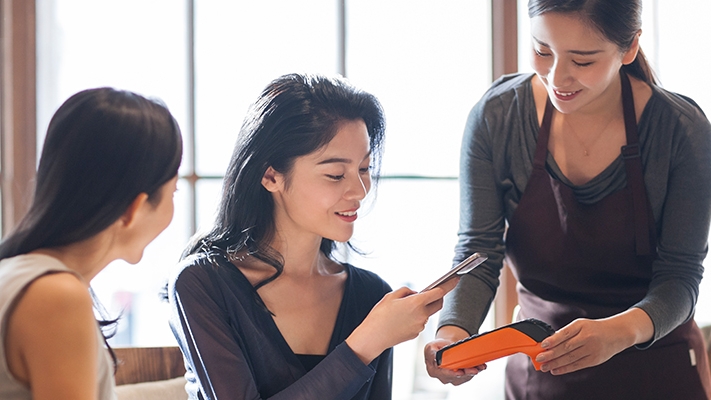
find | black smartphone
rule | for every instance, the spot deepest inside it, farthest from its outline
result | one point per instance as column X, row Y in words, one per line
column 462, row 268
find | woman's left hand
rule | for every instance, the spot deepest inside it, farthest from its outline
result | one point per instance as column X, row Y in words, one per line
column 586, row 343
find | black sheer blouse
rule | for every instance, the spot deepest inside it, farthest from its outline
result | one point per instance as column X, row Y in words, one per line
column 234, row 350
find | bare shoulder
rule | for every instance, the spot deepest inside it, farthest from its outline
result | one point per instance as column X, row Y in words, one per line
column 56, row 292
column 58, row 301
column 50, row 321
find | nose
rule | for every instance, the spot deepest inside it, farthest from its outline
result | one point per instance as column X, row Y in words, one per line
column 559, row 74
column 358, row 188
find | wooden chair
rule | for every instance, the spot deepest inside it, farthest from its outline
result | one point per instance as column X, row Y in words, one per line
column 150, row 373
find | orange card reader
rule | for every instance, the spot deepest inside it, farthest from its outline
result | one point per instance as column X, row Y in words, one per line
column 519, row 337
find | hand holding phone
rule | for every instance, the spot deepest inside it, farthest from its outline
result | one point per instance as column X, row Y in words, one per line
column 462, row 268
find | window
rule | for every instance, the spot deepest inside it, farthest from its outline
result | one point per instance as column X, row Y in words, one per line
column 139, row 46
column 209, row 59
column 427, row 62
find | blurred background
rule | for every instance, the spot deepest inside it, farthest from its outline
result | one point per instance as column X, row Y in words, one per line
column 427, row 61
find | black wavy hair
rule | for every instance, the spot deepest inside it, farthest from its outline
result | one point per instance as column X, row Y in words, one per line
column 295, row 115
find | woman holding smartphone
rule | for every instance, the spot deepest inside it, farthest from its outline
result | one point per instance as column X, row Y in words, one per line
column 602, row 178
column 262, row 307
column 104, row 190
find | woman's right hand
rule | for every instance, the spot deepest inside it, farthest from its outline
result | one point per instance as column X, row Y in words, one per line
column 399, row 316
column 447, row 335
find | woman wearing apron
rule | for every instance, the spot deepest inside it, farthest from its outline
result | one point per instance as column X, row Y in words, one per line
column 595, row 185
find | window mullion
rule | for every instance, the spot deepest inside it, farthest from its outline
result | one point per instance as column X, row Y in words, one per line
column 18, row 108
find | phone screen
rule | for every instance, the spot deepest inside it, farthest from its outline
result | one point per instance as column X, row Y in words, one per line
column 462, row 268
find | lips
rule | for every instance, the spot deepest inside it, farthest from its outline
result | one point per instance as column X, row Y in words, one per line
column 348, row 216
column 565, row 95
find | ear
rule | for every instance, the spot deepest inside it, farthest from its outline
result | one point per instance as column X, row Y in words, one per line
column 129, row 216
column 629, row 56
column 272, row 180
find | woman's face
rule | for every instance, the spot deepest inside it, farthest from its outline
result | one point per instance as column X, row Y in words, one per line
column 321, row 195
column 151, row 220
column 577, row 65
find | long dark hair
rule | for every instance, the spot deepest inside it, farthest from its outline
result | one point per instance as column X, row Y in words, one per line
column 294, row 115
column 619, row 21
column 103, row 148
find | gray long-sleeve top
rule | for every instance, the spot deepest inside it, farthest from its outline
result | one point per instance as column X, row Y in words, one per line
column 497, row 159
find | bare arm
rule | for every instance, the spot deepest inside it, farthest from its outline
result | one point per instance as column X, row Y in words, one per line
column 51, row 339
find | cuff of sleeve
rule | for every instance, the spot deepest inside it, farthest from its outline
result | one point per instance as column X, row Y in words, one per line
column 352, row 362
column 655, row 336
column 668, row 305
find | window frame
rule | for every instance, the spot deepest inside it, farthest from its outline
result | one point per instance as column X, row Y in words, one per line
column 18, row 109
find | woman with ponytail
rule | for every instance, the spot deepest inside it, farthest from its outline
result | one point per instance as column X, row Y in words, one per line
column 594, row 184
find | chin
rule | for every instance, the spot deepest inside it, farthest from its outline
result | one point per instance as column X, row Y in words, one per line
column 342, row 234
column 339, row 238
column 565, row 107
column 134, row 259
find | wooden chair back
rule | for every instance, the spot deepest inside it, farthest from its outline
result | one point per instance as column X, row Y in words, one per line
column 148, row 364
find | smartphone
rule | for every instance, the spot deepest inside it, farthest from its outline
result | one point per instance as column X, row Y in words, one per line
column 462, row 268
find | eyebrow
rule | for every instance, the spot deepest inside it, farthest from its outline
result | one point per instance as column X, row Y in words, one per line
column 578, row 52
column 334, row 160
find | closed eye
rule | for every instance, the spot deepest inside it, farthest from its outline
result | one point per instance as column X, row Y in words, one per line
column 584, row 64
column 335, row 177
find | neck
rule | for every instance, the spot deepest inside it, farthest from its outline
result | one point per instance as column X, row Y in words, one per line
column 87, row 257
column 607, row 105
column 302, row 256
column 591, row 122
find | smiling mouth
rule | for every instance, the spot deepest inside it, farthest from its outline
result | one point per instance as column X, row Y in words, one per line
column 565, row 94
column 347, row 213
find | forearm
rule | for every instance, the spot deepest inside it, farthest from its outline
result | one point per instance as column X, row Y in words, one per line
column 668, row 305
column 680, row 192
column 361, row 343
column 481, row 228
column 467, row 305
column 634, row 325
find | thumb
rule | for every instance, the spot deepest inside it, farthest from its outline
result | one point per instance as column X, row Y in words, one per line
column 402, row 292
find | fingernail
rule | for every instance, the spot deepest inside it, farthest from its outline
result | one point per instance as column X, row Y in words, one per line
column 544, row 344
column 544, row 368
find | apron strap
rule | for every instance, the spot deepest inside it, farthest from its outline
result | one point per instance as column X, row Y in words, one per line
column 633, row 165
column 539, row 160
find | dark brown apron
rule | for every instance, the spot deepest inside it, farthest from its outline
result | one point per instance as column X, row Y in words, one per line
column 576, row 260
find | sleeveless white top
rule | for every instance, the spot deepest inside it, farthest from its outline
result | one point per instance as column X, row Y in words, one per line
column 16, row 274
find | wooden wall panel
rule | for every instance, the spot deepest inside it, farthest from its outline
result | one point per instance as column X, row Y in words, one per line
column 18, row 111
